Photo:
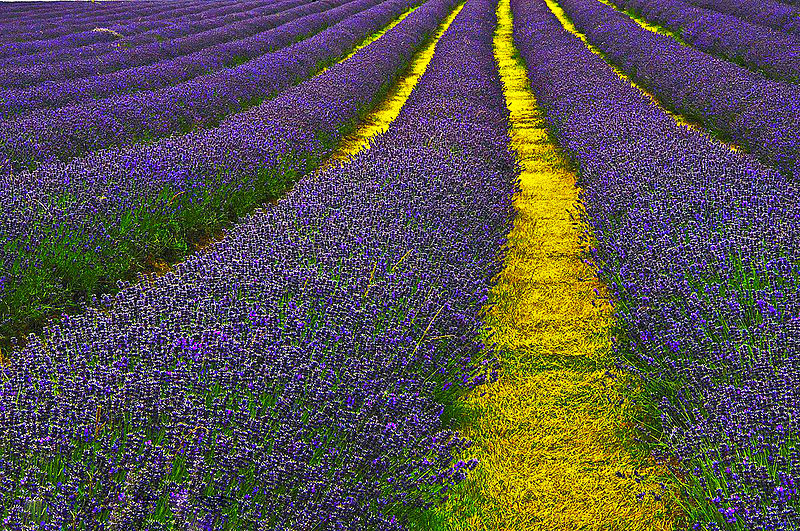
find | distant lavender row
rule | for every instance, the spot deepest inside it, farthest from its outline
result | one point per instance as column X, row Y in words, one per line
column 295, row 24
column 700, row 248
column 23, row 34
column 133, row 36
column 759, row 48
column 107, row 43
column 225, row 44
column 29, row 8
column 293, row 376
column 770, row 13
column 54, row 26
column 759, row 114
column 69, row 132
column 77, row 227
column 33, row 11
column 51, row 14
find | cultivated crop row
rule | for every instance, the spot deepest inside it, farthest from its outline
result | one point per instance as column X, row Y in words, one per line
column 79, row 227
column 699, row 246
column 210, row 49
column 773, row 14
column 759, row 114
column 118, row 72
column 24, row 34
column 129, row 35
column 70, row 131
column 769, row 51
column 306, row 369
column 295, row 372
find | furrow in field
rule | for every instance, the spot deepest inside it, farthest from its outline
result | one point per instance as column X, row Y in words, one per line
column 679, row 119
column 547, row 433
column 379, row 119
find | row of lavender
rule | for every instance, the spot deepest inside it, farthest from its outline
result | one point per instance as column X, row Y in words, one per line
column 769, row 13
column 28, row 21
column 131, row 34
column 76, row 228
column 289, row 26
column 761, row 115
column 222, row 45
column 69, row 132
column 768, row 51
column 699, row 246
column 293, row 377
column 32, row 27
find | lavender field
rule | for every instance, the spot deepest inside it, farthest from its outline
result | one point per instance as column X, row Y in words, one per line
column 439, row 265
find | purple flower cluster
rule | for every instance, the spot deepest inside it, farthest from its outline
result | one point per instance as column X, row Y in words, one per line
column 66, row 133
column 77, row 227
column 200, row 19
column 34, row 33
column 211, row 49
column 293, row 377
column 699, row 246
column 761, row 115
column 771, row 52
column 770, row 13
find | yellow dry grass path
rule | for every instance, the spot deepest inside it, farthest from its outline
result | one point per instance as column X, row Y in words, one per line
column 379, row 119
column 551, row 434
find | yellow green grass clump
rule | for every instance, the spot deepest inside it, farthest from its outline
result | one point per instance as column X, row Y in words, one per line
column 553, row 435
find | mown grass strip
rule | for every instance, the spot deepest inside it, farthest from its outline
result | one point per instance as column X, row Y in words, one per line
column 554, row 434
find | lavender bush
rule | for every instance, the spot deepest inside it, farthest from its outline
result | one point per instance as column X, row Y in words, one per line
column 699, row 246
column 768, row 51
column 293, row 376
column 43, row 18
column 305, row 21
column 47, row 136
column 761, row 115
